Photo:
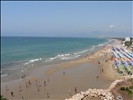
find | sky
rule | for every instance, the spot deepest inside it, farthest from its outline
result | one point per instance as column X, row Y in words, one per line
column 67, row 18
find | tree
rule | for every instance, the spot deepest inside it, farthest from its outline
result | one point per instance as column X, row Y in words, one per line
column 2, row 98
column 128, row 43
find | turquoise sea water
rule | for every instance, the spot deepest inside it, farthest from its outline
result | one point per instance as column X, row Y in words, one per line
column 26, row 48
column 16, row 51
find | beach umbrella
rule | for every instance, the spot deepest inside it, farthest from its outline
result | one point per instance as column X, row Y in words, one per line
column 123, row 62
column 118, row 49
column 131, row 63
column 122, row 49
column 117, row 62
column 98, row 61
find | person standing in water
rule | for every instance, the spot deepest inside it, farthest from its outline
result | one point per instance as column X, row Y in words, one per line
column 48, row 95
column 23, row 75
column 69, row 93
column 44, row 83
column 97, row 76
column 20, row 89
column 12, row 94
column 64, row 73
column 22, row 98
column 39, row 84
column 75, row 89
column 29, row 82
column 48, row 79
column 26, row 84
column 6, row 88
column 102, row 70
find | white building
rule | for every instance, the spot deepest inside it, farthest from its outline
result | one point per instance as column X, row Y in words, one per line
column 127, row 39
column 131, row 39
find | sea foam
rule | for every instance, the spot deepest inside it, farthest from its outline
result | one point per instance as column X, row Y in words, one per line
column 31, row 61
column 62, row 57
column 4, row 75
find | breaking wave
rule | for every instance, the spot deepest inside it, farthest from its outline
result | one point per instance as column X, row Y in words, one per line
column 66, row 56
column 4, row 75
column 31, row 61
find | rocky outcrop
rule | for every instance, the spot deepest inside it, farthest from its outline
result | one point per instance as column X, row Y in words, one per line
column 103, row 94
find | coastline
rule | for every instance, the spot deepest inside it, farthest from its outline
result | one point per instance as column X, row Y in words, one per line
column 79, row 72
column 12, row 71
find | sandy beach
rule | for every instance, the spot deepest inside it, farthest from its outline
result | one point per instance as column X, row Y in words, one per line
column 66, row 50
column 55, row 81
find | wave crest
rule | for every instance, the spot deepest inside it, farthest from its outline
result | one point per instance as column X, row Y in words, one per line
column 31, row 61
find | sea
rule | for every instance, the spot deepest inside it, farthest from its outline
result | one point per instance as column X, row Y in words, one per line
column 18, row 53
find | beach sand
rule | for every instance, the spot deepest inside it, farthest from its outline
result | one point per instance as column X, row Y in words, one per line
column 60, row 78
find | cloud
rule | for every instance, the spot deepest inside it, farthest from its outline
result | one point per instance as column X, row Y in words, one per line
column 111, row 26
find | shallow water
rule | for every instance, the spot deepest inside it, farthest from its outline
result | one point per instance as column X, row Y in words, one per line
column 22, row 54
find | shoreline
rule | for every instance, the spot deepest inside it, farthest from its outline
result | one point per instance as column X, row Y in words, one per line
column 30, row 60
column 77, row 73
column 9, row 69
column 12, row 72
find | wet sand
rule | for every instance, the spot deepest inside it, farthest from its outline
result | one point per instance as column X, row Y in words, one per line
column 79, row 73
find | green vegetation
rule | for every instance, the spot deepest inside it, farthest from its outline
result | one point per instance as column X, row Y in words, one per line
column 128, row 90
column 128, row 43
column 131, row 87
column 131, row 80
column 2, row 98
column 122, row 88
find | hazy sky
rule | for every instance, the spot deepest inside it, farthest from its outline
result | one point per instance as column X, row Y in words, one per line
column 67, row 18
